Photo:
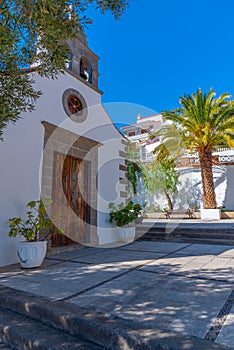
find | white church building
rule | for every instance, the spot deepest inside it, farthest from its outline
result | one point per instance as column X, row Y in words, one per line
column 67, row 150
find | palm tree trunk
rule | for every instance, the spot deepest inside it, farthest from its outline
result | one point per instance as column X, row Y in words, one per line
column 169, row 202
column 209, row 198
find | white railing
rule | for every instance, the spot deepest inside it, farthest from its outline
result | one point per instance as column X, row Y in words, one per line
column 226, row 159
column 224, row 149
column 189, row 159
column 144, row 136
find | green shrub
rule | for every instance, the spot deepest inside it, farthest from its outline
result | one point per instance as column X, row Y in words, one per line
column 123, row 215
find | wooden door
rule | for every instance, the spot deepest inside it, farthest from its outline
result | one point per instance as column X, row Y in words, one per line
column 70, row 196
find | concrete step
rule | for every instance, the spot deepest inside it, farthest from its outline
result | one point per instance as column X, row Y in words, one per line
column 190, row 228
column 196, row 234
column 205, row 241
column 23, row 333
column 30, row 322
column 187, row 240
column 5, row 346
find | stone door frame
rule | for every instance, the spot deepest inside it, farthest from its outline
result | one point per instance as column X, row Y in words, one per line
column 57, row 139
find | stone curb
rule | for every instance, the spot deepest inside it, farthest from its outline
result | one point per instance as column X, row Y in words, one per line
column 20, row 332
column 110, row 332
column 4, row 346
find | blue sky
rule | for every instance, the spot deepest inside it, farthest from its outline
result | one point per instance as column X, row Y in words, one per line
column 160, row 50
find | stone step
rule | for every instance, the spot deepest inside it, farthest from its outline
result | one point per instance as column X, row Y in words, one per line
column 212, row 235
column 186, row 240
column 30, row 322
column 162, row 236
column 5, row 346
column 195, row 234
column 22, row 333
column 205, row 241
column 163, row 229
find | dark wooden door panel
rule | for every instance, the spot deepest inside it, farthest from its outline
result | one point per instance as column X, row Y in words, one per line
column 70, row 194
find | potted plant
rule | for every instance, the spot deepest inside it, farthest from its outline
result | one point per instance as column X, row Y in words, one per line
column 124, row 216
column 35, row 229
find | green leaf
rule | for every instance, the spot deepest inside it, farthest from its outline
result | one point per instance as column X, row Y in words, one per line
column 35, row 33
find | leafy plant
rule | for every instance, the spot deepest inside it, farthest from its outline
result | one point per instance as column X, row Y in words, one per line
column 37, row 225
column 160, row 176
column 123, row 215
column 164, row 210
column 133, row 167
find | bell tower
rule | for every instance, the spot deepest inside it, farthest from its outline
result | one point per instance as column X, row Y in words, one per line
column 83, row 61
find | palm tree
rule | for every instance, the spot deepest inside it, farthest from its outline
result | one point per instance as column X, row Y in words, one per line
column 200, row 125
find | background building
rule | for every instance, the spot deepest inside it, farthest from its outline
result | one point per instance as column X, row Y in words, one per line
column 140, row 133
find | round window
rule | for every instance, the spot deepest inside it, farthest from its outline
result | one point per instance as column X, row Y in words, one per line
column 74, row 105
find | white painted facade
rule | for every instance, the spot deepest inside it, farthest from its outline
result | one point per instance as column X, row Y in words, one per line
column 22, row 150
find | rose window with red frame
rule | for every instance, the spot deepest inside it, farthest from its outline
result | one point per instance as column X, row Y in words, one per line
column 74, row 104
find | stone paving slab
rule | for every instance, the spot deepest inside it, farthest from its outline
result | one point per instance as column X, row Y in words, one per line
column 16, row 269
column 166, row 247
column 119, row 257
column 226, row 334
column 203, row 266
column 62, row 280
column 176, row 264
column 175, row 287
column 75, row 254
column 173, row 303
column 201, row 249
column 229, row 253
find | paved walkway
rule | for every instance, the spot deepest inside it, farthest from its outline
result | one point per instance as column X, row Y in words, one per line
column 187, row 289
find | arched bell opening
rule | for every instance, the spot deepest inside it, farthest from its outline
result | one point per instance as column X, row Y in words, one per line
column 69, row 63
column 86, row 69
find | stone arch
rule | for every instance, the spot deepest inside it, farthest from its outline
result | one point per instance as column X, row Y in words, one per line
column 86, row 69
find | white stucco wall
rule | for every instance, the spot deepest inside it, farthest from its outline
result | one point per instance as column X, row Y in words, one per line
column 190, row 189
column 191, row 186
column 21, row 155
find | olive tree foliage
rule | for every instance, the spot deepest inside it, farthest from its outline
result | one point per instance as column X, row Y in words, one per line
column 33, row 33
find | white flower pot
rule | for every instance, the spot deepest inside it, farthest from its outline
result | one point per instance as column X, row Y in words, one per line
column 210, row 214
column 31, row 254
column 127, row 234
